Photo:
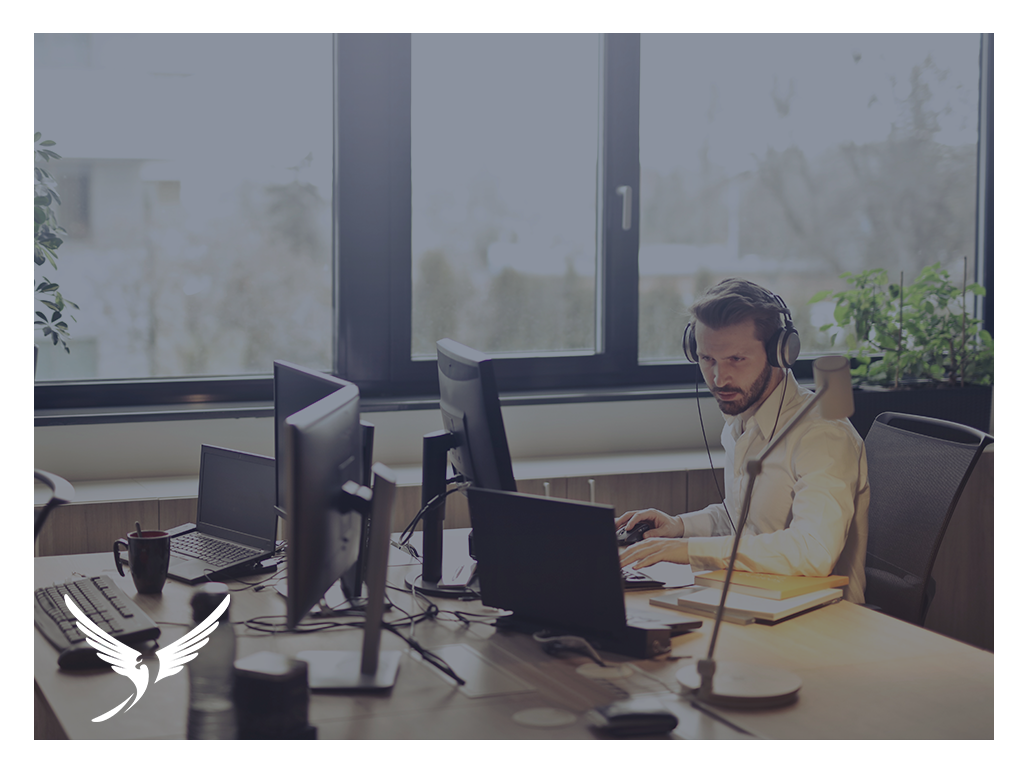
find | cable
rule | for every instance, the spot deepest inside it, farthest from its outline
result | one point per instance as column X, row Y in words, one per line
column 409, row 530
column 430, row 657
column 711, row 464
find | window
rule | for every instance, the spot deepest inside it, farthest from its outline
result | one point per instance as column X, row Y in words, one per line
column 504, row 192
column 790, row 159
column 785, row 159
column 557, row 200
column 196, row 187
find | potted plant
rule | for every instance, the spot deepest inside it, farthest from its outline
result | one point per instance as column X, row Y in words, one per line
column 51, row 321
column 915, row 347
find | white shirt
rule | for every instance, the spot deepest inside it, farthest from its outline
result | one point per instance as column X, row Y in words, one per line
column 809, row 511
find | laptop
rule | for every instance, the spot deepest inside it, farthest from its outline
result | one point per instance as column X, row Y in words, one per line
column 555, row 564
column 236, row 518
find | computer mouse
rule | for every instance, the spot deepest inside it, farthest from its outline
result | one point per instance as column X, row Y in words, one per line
column 634, row 535
column 79, row 657
column 636, row 717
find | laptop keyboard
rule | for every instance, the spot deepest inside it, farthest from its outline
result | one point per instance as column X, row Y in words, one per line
column 215, row 551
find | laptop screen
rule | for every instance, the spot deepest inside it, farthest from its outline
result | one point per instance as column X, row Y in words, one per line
column 237, row 496
column 548, row 560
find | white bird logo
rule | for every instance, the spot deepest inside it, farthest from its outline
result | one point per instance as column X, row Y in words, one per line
column 125, row 660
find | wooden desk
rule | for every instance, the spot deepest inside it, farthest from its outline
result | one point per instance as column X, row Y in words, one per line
column 865, row 676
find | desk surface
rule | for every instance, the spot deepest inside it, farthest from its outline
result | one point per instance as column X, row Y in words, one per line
column 865, row 675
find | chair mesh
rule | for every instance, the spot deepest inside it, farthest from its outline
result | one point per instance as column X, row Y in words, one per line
column 914, row 482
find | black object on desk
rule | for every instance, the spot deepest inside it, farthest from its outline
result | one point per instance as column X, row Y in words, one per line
column 271, row 695
column 104, row 603
column 632, row 718
column 555, row 564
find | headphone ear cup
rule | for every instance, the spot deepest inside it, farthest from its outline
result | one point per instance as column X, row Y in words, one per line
column 689, row 343
column 784, row 347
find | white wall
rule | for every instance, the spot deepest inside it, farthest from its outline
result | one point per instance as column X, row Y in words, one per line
column 172, row 448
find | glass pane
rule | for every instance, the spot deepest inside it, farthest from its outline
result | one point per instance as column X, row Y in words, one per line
column 504, row 166
column 790, row 159
column 196, row 185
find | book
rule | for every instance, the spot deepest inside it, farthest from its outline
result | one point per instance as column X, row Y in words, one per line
column 769, row 586
column 744, row 609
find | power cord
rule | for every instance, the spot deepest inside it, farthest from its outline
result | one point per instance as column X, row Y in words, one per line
column 409, row 530
column 704, row 435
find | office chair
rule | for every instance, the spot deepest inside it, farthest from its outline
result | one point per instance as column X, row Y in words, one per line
column 918, row 467
column 62, row 493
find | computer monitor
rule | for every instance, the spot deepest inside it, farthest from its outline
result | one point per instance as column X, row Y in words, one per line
column 296, row 388
column 370, row 669
column 322, row 452
column 473, row 441
column 471, row 410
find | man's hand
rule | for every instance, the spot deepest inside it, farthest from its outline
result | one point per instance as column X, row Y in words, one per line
column 651, row 551
column 664, row 525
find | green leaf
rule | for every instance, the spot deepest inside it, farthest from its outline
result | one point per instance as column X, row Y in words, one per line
column 41, row 315
column 820, row 296
column 47, row 143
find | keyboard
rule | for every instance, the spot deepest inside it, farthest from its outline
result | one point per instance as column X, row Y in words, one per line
column 104, row 603
column 194, row 544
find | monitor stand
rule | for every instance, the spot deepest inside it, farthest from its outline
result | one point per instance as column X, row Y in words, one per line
column 428, row 578
column 329, row 670
column 370, row 669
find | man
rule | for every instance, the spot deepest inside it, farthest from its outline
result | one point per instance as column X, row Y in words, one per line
column 810, row 505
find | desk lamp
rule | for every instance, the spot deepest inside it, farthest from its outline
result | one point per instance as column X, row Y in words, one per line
column 743, row 685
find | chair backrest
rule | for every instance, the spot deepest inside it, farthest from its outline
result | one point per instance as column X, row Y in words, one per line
column 62, row 493
column 918, row 467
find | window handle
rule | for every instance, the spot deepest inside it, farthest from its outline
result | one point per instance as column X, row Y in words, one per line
column 626, row 191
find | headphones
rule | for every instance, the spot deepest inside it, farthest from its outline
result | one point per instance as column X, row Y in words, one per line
column 782, row 348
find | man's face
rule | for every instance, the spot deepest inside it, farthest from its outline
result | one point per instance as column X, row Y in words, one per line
column 735, row 366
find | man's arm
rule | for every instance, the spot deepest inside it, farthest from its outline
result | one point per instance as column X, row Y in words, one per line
column 828, row 466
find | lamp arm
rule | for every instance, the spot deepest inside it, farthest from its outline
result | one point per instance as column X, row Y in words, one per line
column 706, row 667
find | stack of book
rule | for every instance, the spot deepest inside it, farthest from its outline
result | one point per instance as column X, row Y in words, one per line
column 754, row 596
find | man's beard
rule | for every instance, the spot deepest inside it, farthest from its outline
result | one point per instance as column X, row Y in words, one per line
column 752, row 396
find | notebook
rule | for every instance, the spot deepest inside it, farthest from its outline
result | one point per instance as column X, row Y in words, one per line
column 236, row 518
column 555, row 564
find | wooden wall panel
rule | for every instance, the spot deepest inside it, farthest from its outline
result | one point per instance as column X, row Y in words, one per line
column 702, row 489
column 556, row 487
column 664, row 491
column 176, row 512
column 93, row 527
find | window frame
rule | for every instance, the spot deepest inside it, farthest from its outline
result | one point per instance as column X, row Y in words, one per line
column 372, row 281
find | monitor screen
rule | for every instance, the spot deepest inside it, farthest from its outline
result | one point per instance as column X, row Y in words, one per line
column 471, row 412
column 322, row 452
